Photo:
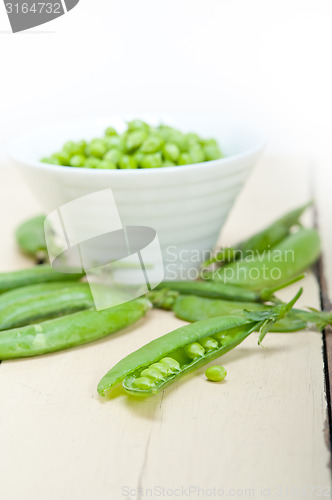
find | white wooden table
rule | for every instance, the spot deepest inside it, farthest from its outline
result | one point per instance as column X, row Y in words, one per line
column 264, row 432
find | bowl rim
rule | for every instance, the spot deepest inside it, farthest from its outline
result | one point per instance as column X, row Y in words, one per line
column 13, row 147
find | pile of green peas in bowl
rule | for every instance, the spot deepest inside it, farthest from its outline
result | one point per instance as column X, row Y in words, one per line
column 139, row 146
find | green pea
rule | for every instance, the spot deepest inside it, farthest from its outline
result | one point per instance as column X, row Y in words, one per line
column 179, row 139
column 97, row 147
column 137, row 125
column 184, row 159
column 171, row 363
column 92, row 162
column 192, row 138
column 127, row 162
column 110, row 131
column 77, row 161
column 152, row 144
column 107, row 164
column 114, row 141
column 152, row 161
column 152, row 373
column 113, row 155
column 215, row 373
column 139, row 157
column 81, row 147
column 168, row 163
column 209, row 343
column 171, row 151
column 135, row 139
column 50, row 160
column 163, row 369
column 212, row 152
column 194, row 350
column 197, row 153
column 70, row 148
column 144, row 383
column 209, row 142
column 62, row 157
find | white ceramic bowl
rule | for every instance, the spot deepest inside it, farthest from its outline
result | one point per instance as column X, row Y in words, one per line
column 186, row 205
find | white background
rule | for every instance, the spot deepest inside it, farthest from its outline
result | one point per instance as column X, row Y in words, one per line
column 266, row 61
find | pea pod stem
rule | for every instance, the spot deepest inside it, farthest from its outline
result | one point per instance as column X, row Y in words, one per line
column 229, row 331
column 69, row 331
column 193, row 308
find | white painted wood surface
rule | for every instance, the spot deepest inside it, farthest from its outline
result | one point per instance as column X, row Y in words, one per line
column 261, row 429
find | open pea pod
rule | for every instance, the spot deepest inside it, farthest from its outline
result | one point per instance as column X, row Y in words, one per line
column 159, row 363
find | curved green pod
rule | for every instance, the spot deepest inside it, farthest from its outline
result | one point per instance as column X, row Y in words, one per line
column 275, row 233
column 264, row 240
column 213, row 289
column 30, row 237
column 69, row 331
column 286, row 260
column 34, row 275
column 47, row 306
column 28, row 292
column 191, row 308
column 160, row 362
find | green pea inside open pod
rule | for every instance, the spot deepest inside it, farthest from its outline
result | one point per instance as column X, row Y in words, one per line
column 185, row 349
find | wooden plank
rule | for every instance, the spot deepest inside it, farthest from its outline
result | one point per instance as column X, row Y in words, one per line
column 327, row 349
column 261, row 429
column 321, row 188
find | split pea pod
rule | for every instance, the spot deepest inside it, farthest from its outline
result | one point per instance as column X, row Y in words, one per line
column 33, row 275
column 69, row 331
column 50, row 305
column 161, row 362
column 30, row 238
column 286, row 260
column 263, row 240
column 191, row 308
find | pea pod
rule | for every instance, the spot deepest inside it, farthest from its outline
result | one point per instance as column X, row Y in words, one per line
column 24, row 293
column 30, row 238
column 273, row 268
column 191, row 308
column 69, row 331
column 215, row 289
column 33, row 275
column 160, row 362
column 57, row 303
column 263, row 240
